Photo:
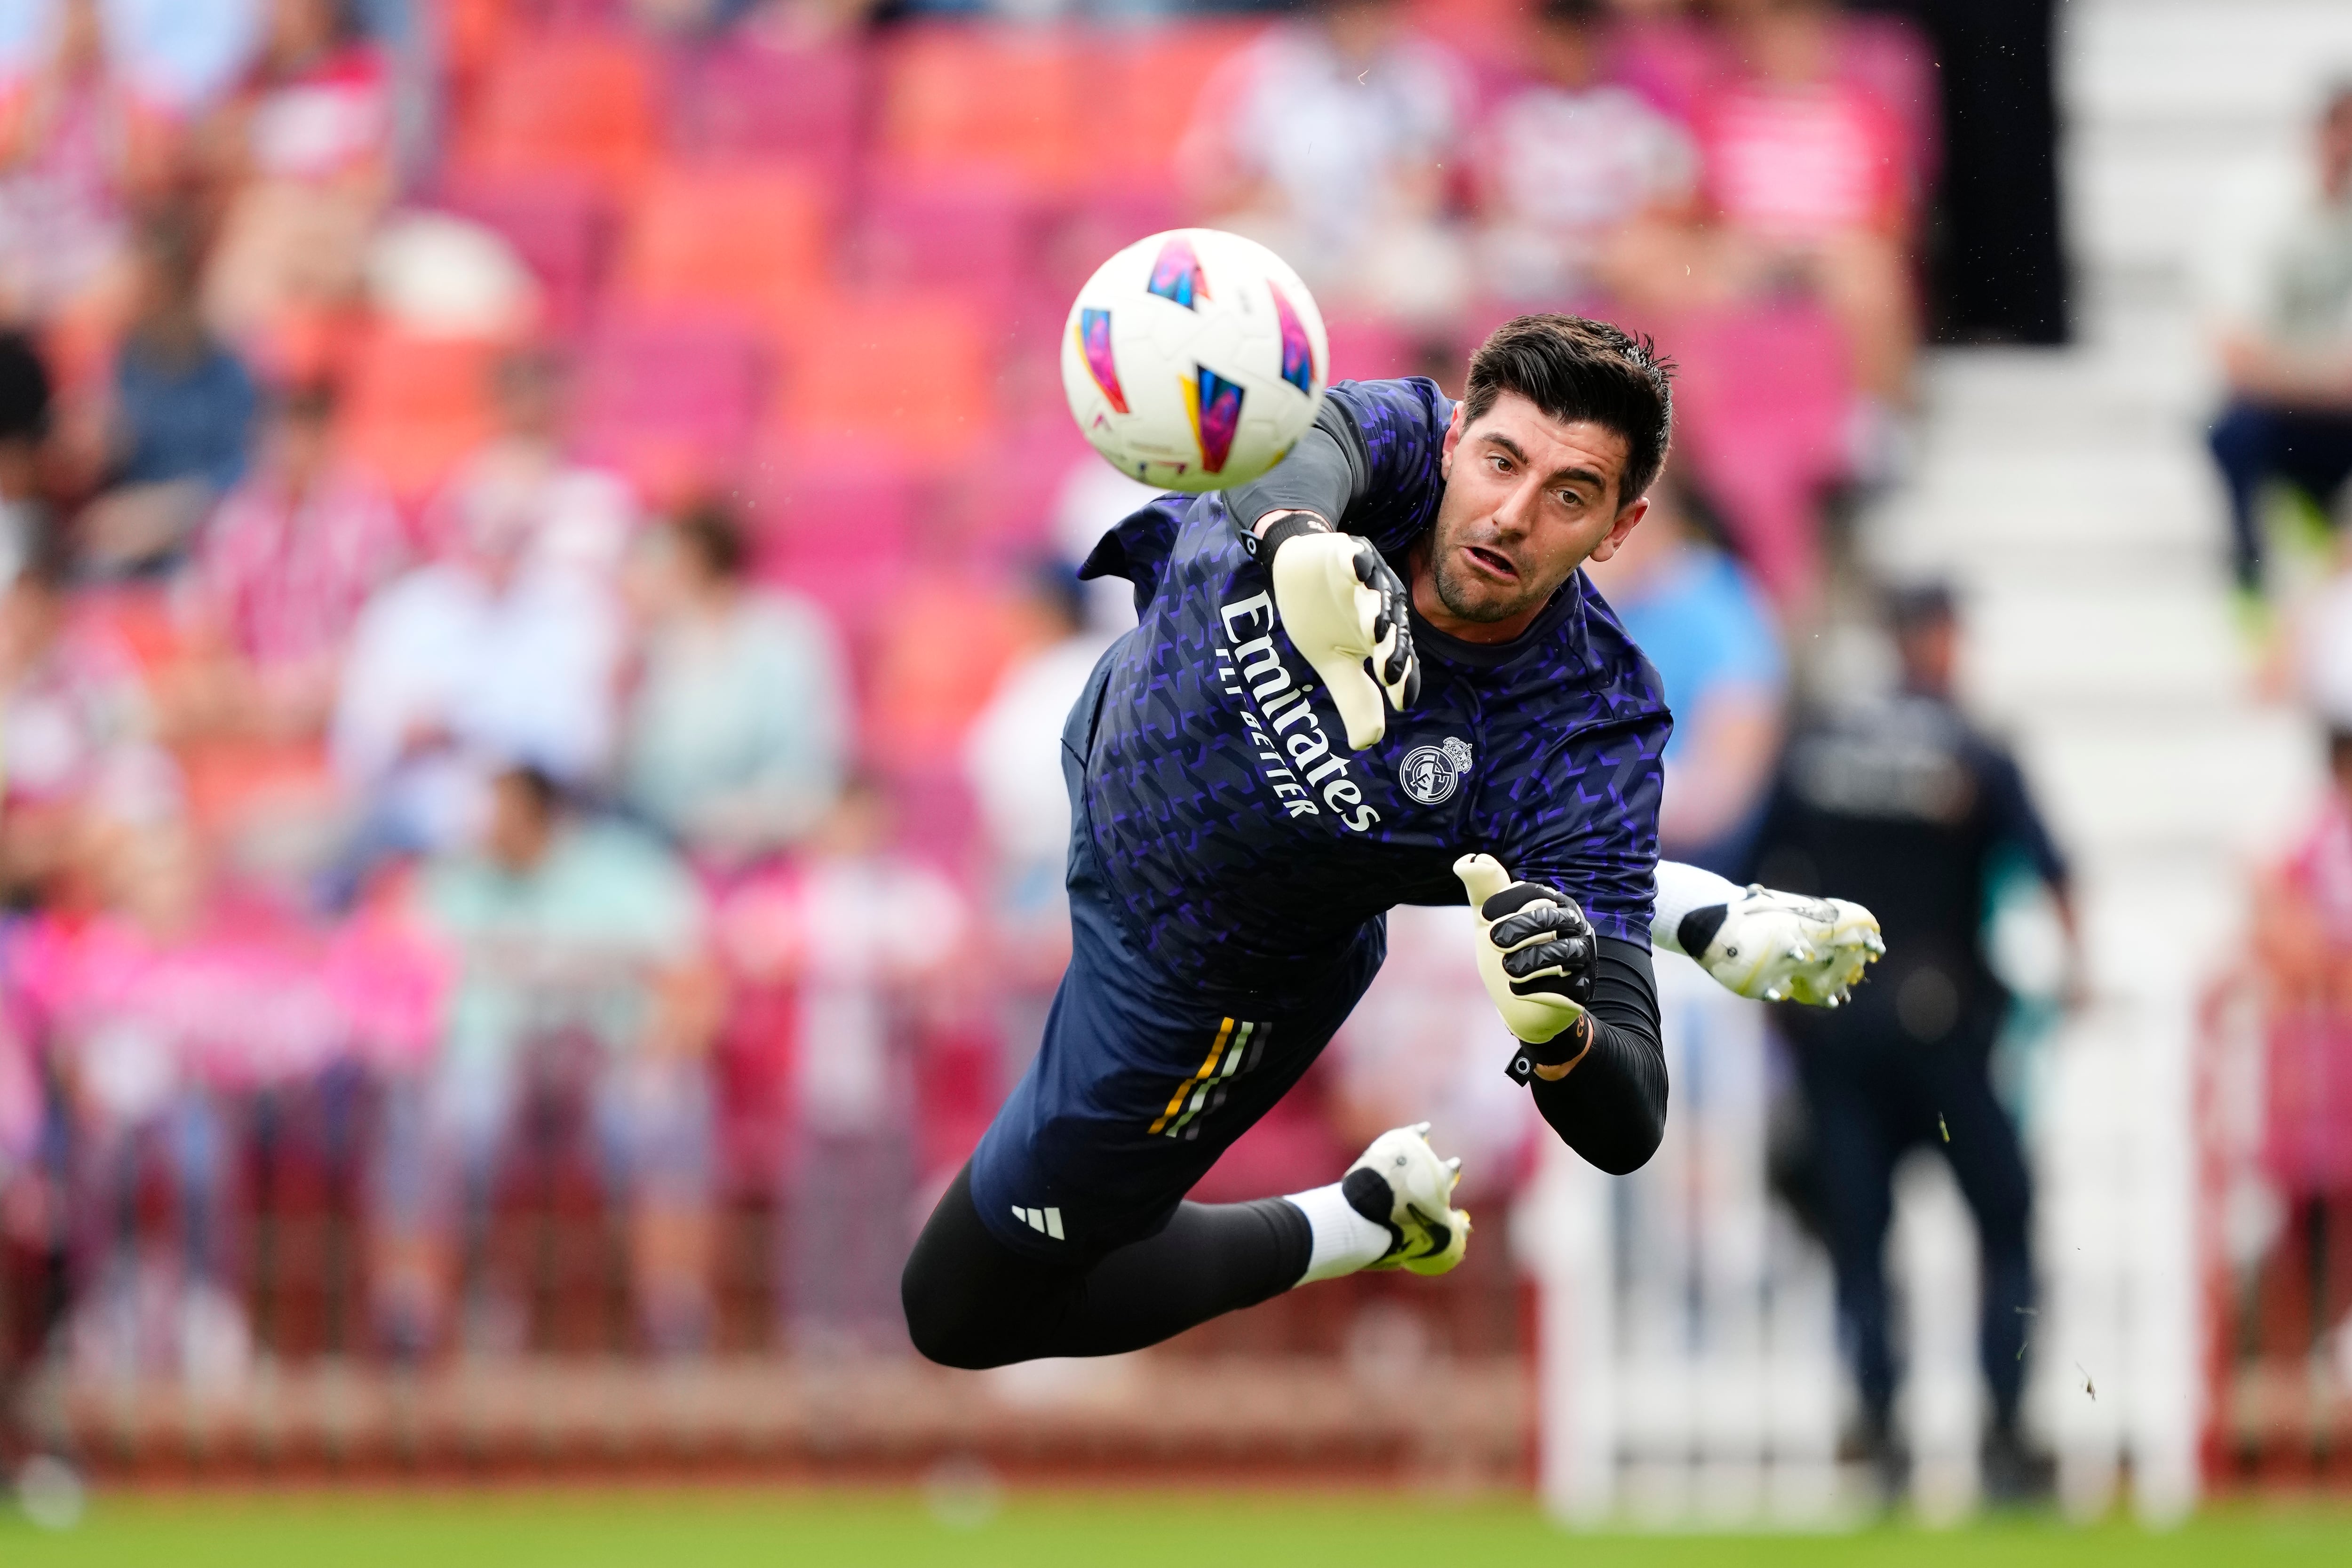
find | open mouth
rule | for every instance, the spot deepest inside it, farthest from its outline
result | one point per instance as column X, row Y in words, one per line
column 1496, row 564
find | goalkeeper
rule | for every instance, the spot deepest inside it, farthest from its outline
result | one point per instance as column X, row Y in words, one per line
column 1375, row 676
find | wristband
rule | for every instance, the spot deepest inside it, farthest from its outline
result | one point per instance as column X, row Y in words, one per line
column 1280, row 531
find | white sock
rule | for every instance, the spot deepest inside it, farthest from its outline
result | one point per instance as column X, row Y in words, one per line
column 1681, row 889
column 1345, row 1240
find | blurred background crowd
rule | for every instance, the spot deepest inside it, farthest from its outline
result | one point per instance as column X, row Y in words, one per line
column 539, row 538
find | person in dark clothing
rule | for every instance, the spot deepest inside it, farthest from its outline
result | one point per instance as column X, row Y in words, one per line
column 1904, row 803
column 2285, row 342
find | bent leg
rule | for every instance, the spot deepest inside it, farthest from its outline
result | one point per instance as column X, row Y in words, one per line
column 971, row 1301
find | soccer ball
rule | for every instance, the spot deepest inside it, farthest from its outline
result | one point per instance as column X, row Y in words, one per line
column 1193, row 360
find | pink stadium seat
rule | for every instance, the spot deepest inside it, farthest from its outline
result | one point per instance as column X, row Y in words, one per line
column 1761, row 404
column 911, row 372
column 837, row 521
column 671, row 404
column 1364, row 349
column 1142, row 85
column 573, row 103
column 747, row 238
column 743, row 99
column 980, row 239
column 560, row 224
column 1670, row 60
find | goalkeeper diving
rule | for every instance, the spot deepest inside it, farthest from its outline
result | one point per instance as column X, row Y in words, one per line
column 1375, row 676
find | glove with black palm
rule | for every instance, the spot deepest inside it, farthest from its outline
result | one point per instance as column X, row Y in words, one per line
column 1538, row 955
column 1341, row 604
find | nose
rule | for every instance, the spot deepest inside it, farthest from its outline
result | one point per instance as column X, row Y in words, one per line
column 1516, row 513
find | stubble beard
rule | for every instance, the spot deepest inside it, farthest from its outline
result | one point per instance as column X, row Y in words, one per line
column 1465, row 596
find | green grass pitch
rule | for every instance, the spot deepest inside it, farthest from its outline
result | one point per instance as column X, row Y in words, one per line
column 1193, row 1530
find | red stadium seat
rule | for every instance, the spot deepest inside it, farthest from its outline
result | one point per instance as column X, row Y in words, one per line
column 1141, row 87
column 742, row 100
column 980, row 239
column 671, row 404
column 579, row 103
column 560, row 224
column 747, row 238
column 415, row 406
column 909, row 372
column 1009, row 104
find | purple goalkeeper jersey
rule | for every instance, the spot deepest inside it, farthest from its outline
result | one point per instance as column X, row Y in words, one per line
column 1247, row 849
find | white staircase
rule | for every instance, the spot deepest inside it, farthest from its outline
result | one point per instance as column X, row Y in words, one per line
column 2069, row 494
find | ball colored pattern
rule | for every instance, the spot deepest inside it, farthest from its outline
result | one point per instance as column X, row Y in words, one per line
column 1297, row 354
column 1177, row 274
column 1215, row 405
column 1094, row 342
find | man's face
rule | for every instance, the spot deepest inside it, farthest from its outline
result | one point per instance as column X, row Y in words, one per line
column 1528, row 499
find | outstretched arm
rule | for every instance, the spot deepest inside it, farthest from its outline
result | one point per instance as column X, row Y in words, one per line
column 1775, row 946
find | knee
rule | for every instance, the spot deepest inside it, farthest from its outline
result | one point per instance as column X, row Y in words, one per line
column 941, row 1320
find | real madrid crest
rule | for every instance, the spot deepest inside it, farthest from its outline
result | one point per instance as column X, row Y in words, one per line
column 1430, row 774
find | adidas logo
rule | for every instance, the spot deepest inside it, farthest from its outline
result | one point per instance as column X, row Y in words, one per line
column 1048, row 1221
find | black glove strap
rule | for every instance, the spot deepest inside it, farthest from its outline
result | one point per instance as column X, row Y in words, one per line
column 1564, row 1047
column 1281, row 532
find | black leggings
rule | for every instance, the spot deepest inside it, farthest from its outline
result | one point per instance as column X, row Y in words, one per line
column 973, row 1301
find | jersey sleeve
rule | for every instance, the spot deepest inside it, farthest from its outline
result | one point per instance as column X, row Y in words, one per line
column 1586, row 821
column 1372, row 463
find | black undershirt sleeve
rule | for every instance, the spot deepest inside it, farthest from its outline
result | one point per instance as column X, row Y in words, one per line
column 1324, row 474
column 1613, row 1108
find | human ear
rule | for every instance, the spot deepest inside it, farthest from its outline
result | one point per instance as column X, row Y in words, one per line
column 1452, row 439
column 1618, row 530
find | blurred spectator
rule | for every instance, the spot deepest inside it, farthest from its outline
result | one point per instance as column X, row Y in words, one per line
column 521, row 480
column 582, row 987
column 740, row 728
column 24, row 401
column 65, row 145
column 2303, row 945
column 1012, row 763
column 1902, row 805
column 175, row 56
column 865, row 990
column 308, row 145
column 2280, row 289
column 76, row 763
column 184, row 409
column 283, row 570
column 1568, row 163
column 125, row 1004
column 1325, row 139
column 1805, row 172
column 502, row 652
column 1709, row 628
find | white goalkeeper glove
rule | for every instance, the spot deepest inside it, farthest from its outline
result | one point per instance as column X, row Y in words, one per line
column 1537, row 953
column 1784, row 947
column 1341, row 604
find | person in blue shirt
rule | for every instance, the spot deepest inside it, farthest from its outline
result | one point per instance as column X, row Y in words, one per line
column 1375, row 676
column 1707, row 629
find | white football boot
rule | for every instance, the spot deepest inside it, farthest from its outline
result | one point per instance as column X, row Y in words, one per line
column 1401, row 1186
column 1782, row 947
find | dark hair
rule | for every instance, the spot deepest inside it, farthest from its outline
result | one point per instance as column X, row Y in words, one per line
column 1915, row 606
column 1573, row 13
column 710, row 530
column 546, row 795
column 1572, row 368
column 25, row 389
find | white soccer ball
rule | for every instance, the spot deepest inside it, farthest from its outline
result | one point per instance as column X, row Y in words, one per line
column 1194, row 360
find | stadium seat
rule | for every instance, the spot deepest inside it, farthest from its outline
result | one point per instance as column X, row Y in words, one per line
column 908, row 371
column 742, row 100
column 559, row 224
column 835, row 522
column 1155, row 76
column 749, row 239
column 568, row 103
column 415, row 406
column 1888, row 56
column 669, row 403
column 978, row 239
column 1012, row 103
